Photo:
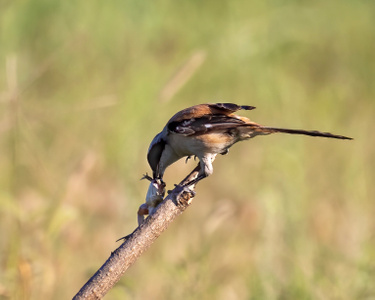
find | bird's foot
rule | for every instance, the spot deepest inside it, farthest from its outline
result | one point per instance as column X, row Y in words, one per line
column 189, row 157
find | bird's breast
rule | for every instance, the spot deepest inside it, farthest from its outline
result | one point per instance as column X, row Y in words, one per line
column 200, row 144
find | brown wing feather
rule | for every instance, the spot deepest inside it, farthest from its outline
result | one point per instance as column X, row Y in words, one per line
column 208, row 123
column 200, row 110
column 229, row 108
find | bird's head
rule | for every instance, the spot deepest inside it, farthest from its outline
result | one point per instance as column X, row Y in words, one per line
column 154, row 154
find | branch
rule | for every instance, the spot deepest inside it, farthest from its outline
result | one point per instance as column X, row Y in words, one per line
column 138, row 242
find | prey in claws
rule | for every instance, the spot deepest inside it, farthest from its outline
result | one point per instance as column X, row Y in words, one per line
column 155, row 195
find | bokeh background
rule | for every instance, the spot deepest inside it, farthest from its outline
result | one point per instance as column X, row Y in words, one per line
column 85, row 86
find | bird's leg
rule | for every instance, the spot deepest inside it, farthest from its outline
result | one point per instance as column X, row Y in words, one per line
column 187, row 179
column 205, row 170
column 194, row 181
column 202, row 170
column 182, row 188
column 191, row 175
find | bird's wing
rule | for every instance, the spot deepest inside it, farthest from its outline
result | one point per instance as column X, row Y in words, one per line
column 229, row 108
column 207, row 124
column 201, row 110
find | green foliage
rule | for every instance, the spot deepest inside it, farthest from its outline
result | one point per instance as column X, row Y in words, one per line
column 85, row 86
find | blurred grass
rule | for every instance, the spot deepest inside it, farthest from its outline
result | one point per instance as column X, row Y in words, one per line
column 283, row 217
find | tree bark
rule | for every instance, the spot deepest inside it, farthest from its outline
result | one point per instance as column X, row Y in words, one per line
column 138, row 242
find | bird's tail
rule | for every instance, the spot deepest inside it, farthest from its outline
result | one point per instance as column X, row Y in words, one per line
column 250, row 130
column 267, row 130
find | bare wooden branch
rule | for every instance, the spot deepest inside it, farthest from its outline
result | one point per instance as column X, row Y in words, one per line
column 138, row 242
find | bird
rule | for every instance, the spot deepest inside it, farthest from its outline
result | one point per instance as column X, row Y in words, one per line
column 206, row 130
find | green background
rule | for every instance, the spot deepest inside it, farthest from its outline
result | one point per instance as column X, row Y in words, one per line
column 86, row 85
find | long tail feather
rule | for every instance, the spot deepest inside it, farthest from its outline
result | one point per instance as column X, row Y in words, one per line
column 306, row 132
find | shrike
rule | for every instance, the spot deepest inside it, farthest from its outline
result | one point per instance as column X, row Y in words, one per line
column 206, row 130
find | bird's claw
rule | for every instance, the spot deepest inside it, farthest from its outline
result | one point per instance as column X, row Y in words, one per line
column 189, row 157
